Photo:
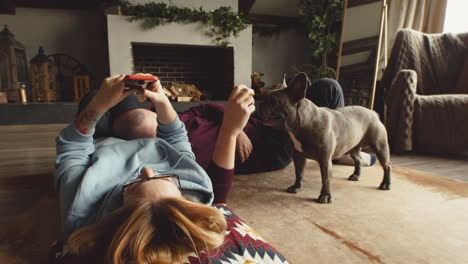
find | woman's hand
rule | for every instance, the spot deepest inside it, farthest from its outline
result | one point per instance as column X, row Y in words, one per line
column 111, row 92
column 236, row 114
column 238, row 109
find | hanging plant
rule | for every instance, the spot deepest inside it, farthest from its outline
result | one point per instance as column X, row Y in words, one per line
column 322, row 20
column 222, row 23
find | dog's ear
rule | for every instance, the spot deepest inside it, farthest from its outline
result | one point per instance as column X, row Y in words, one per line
column 298, row 86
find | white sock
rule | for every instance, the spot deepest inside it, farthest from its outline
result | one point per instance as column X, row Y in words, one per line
column 366, row 160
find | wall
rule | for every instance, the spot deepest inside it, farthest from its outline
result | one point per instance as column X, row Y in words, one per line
column 80, row 34
column 276, row 55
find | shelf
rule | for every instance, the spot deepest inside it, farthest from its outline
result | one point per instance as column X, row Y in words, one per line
column 59, row 112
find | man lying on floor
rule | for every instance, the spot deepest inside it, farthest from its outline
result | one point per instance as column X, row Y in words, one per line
column 259, row 148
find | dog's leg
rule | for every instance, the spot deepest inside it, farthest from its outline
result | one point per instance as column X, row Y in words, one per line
column 356, row 156
column 383, row 154
column 326, row 172
column 299, row 165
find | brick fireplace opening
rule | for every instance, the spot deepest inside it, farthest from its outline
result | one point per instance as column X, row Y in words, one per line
column 209, row 68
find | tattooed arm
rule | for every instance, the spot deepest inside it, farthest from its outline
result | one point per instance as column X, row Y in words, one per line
column 112, row 92
column 86, row 120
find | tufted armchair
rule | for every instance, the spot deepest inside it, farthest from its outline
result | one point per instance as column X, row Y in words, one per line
column 426, row 93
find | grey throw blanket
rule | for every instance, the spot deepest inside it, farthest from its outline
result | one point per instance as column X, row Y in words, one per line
column 437, row 59
column 422, row 65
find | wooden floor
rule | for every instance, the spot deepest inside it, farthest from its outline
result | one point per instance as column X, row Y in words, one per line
column 27, row 154
column 452, row 166
column 30, row 150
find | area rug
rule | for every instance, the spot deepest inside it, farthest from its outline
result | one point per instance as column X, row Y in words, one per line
column 422, row 219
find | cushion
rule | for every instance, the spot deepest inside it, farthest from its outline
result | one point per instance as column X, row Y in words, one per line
column 439, row 123
column 462, row 83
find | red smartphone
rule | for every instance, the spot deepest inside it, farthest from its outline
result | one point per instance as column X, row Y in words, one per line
column 136, row 81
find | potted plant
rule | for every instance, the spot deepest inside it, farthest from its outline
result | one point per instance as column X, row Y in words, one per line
column 322, row 20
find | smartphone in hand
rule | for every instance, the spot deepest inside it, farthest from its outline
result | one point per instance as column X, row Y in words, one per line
column 136, row 81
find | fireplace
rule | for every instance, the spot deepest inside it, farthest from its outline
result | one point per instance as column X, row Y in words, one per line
column 193, row 55
column 209, row 68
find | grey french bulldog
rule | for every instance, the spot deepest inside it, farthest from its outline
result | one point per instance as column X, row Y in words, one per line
column 323, row 134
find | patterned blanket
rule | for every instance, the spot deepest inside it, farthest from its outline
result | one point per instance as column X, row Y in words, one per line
column 242, row 245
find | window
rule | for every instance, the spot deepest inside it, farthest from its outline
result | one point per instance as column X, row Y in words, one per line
column 456, row 20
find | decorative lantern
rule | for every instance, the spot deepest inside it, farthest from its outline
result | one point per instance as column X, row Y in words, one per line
column 13, row 66
column 80, row 83
column 42, row 78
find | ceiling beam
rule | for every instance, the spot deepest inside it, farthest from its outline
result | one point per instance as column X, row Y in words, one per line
column 274, row 20
column 58, row 4
column 7, row 7
column 353, row 3
column 245, row 6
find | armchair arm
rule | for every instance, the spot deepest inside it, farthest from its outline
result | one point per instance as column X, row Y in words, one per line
column 400, row 108
column 440, row 123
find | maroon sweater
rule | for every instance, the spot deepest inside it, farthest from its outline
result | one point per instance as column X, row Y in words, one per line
column 202, row 124
column 271, row 149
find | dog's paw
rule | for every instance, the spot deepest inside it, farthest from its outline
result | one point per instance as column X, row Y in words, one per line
column 384, row 186
column 324, row 199
column 293, row 189
column 353, row 177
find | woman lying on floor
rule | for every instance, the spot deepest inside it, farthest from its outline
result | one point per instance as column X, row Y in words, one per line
column 144, row 200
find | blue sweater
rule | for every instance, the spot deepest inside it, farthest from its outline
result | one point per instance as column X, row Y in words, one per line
column 90, row 175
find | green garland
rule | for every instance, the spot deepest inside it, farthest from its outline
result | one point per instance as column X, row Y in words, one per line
column 222, row 22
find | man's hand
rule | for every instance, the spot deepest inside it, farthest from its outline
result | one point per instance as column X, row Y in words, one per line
column 164, row 109
column 155, row 93
column 243, row 147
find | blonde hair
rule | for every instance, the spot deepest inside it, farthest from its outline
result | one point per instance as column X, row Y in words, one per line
column 163, row 232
